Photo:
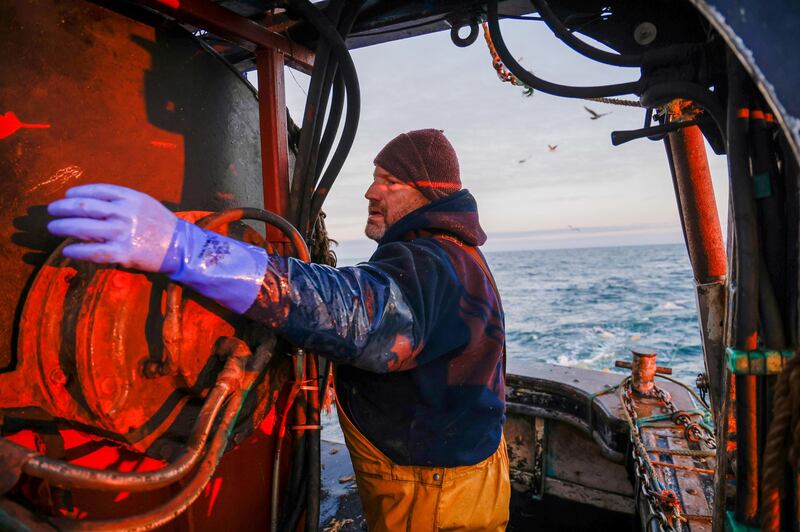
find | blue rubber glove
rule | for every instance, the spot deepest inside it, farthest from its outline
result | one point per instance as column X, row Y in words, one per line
column 124, row 226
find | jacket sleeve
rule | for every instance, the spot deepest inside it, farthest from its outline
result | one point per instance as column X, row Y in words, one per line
column 374, row 316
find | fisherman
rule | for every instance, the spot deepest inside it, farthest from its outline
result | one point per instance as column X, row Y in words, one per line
column 416, row 332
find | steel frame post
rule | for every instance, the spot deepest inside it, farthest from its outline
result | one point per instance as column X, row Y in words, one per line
column 698, row 210
column 274, row 141
column 694, row 191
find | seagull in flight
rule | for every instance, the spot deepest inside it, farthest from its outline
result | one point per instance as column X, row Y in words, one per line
column 523, row 160
column 552, row 147
column 573, row 228
column 595, row 114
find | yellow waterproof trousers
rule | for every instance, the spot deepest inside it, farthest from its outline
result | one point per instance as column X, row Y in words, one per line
column 425, row 499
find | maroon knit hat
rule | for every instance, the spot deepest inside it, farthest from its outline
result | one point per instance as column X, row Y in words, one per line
column 425, row 159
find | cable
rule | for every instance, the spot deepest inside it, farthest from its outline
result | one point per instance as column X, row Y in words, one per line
column 332, row 124
column 350, row 126
column 583, row 48
column 539, row 84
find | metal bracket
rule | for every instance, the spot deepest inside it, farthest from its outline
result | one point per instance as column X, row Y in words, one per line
column 732, row 525
column 757, row 362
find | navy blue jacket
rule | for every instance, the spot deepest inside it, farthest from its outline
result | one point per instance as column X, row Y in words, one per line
column 417, row 334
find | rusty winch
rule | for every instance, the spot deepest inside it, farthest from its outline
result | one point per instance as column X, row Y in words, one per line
column 129, row 357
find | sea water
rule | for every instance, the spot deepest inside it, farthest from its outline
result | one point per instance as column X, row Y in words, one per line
column 589, row 307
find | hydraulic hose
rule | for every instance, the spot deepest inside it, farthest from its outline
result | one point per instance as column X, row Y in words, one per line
column 314, row 113
column 332, row 124
column 76, row 477
column 530, row 79
column 583, row 48
column 337, row 105
column 184, row 498
column 60, row 473
column 352, row 115
column 744, row 212
column 745, row 295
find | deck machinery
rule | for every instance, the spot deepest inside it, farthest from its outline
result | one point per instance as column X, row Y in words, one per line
column 129, row 403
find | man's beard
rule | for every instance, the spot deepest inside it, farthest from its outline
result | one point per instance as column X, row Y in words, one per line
column 375, row 231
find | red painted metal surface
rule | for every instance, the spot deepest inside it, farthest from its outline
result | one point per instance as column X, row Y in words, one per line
column 274, row 148
column 226, row 23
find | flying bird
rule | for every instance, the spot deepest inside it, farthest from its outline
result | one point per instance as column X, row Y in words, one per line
column 552, row 147
column 573, row 228
column 523, row 160
column 595, row 114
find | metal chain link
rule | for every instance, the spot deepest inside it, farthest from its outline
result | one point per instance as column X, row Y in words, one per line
column 663, row 503
column 694, row 432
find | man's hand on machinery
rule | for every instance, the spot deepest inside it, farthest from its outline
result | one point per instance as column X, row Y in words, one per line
column 124, row 226
column 117, row 225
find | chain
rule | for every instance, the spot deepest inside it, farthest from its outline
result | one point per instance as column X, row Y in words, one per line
column 616, row 101
column 663, row 503
column 502, row 72
column 693, row 431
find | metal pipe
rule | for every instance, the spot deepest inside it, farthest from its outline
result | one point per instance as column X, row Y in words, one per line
column 71, row 476
column 66, row 475
column 314, row 468
column 274, row 145
column 694, row 191
column 746, row 450
column 183, row 499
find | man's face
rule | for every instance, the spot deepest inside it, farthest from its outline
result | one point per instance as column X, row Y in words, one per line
column 389, row 200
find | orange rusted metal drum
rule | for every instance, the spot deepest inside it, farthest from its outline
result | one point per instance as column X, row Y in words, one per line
column 89, row 335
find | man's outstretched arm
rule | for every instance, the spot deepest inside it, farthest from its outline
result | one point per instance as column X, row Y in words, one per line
column 356, row 316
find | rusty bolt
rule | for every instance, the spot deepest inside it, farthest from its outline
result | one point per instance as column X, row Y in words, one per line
column 108, row 386
column 57, row 377
column 151, row 369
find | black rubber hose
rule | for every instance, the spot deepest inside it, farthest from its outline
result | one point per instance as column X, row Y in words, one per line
column 350, row 125
column 289, row 524
column 337, row 104
column 772, row 232
column 316, row 103
column 528, row 78
column 332, row 124
column 745, row 295
column 311, row 119
column 583, row 48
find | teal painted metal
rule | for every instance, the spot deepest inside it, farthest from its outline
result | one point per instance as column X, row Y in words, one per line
column 762, row 186
column 756, row 362
column 732, row 525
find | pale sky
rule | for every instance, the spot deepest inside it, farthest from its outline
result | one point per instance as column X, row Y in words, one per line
column 585, row 193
